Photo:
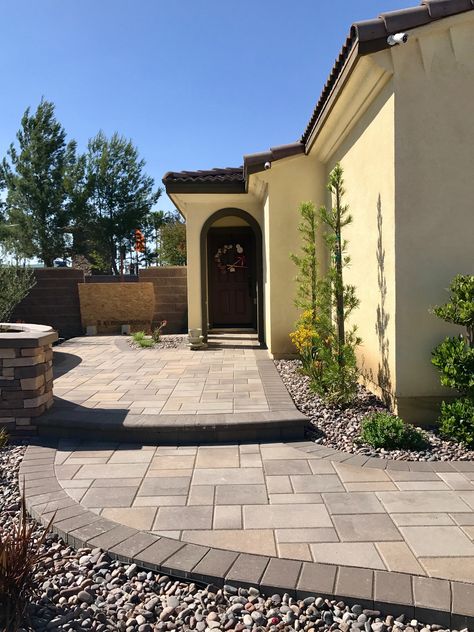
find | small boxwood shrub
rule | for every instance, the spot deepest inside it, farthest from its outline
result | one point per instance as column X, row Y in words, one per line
column 457, row 420
column 382, row 430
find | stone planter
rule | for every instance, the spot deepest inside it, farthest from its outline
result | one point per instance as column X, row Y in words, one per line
column 26, row 374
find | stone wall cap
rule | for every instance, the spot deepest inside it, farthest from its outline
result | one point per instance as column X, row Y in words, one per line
column 26, row 335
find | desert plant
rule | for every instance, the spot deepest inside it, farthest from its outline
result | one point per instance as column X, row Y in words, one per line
column 457, row 420
column 20, row 556
column 156, row 334
column 383, row 430
column 15, row 283
column 3, row 437
column 138, row 335
column 454, row 357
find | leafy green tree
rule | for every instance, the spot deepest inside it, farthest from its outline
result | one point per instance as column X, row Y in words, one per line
column 172, row 251
column 121, row 194
column 33, row 173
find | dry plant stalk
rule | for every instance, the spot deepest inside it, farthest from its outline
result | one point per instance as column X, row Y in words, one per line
column 19, row 557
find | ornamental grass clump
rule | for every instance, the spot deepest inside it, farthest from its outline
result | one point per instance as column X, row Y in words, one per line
column 20, row 555
column 454, row 358
column 383, row 430
column 323, row 339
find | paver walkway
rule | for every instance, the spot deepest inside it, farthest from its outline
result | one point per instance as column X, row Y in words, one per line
column 278, row 500
column 111, row 375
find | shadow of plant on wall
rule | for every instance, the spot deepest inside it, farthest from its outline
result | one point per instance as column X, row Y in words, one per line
column 384, row 379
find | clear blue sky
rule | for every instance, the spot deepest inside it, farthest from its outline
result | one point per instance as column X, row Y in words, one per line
column 195, row 84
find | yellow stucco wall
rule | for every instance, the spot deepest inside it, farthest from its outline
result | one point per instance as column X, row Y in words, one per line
column 434, row 143
column 367, row 157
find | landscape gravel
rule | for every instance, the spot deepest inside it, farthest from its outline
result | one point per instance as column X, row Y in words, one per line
column 84, row 589
column 339, row 428
column 167, row 341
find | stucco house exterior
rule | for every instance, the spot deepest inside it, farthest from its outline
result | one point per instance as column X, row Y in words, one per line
column 399, row 120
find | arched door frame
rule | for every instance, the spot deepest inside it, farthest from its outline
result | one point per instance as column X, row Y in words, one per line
column 255, row 226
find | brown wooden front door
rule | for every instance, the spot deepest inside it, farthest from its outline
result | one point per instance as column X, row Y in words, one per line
column 232, row 277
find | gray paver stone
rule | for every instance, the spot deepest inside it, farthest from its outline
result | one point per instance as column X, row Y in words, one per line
column 185, row 559
column 432, row 596
column 132, row 547
column 153, row 556
column 316, row 579
column 247, row 569
column 214, row 565
column 393, row 593
column 281, row 575
column 356, row 583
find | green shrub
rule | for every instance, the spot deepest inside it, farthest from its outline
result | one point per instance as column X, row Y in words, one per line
column 142, row 341
column 455, row 361
column 382, row 430
column 15, row 284
column 3, row 437
column 457, row 420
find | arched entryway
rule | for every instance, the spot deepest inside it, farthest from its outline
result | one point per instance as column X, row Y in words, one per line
column 232, row 272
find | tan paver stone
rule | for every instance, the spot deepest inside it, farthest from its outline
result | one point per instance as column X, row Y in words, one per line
column 241, row 495
column 175, row 535
column 406, row 475
column 77, row 493
column 426, row 519
column 469, row 531
column 422, row 502
column 295, row 551
column 353, row 474
column 152, row 473
column 281, row 452
column 228, row 476
column 306, row 535
column 438, row 541
column 73, row 484
column 459, row 569
column 365, row 528
column 168, row 518
column 66, row 472
column 135, row 517
column 421, row 485
column 466, row 519
column 164, row 487
column 227, row 517
column 117, row 470
column 250, row 460
column 375, row 486
column 287, row 499
column 456, row 480
column 289, row 516
column 320, row 466
column 361, row 554
column 114, row 497
column 86, row 460
column 159, row 501
column 260, row 542
column 279, row 485
column 172, row 462
column 282, row 467
column 398, row 557
column 353, row 503
column 131, row 456
column 316, row 483
column 223, row 457
column 201, row 495
column 468, row 498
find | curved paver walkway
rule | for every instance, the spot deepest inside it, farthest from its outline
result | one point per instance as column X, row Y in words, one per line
column 273, row 515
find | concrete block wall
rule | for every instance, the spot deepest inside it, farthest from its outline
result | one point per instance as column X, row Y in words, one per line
column 54, row 301
column 170, row 289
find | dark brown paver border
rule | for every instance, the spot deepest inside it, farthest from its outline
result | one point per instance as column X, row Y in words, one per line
column 446, row 602
column 330, row 454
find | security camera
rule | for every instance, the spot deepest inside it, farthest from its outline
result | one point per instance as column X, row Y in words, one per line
column 398, row 38
column 268, row 165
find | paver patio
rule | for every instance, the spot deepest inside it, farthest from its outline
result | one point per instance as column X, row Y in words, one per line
column 277, row 500
column 231, row 391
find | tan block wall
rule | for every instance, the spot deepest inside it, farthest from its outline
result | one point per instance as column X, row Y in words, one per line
column 170, row 296
column 26, row 385
column 110, row 305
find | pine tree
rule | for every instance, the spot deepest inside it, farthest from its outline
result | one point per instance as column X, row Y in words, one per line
column 33, row 173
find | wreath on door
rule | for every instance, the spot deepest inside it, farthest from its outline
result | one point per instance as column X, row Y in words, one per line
column 230, row 258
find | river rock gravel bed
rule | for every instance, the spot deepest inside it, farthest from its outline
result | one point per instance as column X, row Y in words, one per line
column 167, row 341
column 339, row 428
column 85, row 589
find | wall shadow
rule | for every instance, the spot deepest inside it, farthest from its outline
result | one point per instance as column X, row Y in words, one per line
column 64, row 362
column 384, row 378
